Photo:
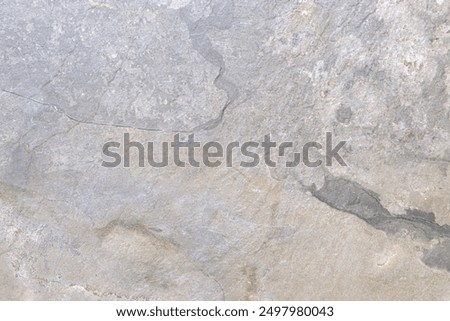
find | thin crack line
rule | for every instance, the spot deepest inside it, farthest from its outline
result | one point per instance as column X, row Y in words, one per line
column 208, row 125
column 88, row 122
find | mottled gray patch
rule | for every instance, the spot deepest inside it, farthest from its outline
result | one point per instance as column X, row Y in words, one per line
column 344, row 114
column 438, row 256
column 435, row 98
column 17, row 171
column 124, row 65
column 403, row 115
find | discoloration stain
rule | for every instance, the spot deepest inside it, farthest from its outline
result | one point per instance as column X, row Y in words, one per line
column 438, row 256
column 250, row 273
column 135, row 229
column 347, row 196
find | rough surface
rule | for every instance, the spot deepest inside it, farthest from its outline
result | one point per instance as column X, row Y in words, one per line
column 77, row 74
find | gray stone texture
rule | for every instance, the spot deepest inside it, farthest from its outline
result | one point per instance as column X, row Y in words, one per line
column 77, row 74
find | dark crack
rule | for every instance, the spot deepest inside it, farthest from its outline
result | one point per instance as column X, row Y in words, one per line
column 350, row 197
column 221, row 17
column 82, row 121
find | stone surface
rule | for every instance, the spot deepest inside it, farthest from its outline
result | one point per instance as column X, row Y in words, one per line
column 77, row 74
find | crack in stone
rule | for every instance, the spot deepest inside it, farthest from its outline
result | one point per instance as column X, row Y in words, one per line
column 81, row 121
column 350, row 197
column 222, row 17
